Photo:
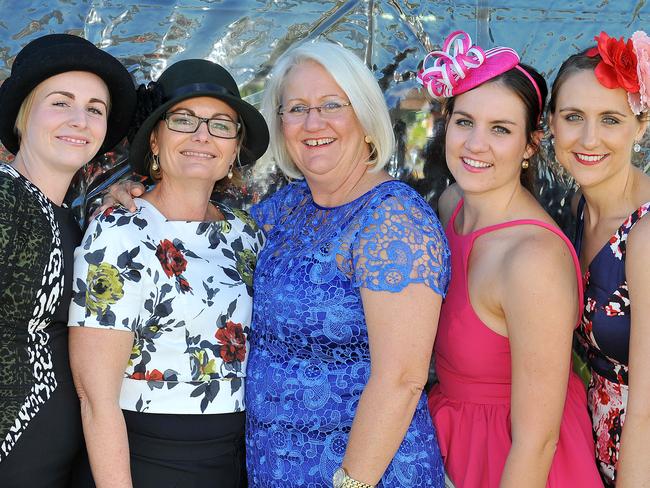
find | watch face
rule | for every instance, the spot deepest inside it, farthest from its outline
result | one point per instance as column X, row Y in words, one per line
column 339, row 478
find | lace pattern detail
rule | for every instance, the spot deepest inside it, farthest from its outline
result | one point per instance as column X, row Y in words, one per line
column 398, row 244
column 310, row 360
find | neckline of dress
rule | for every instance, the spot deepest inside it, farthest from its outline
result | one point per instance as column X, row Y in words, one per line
column 489, row 228
column 336, row 207
column 141, row 202
column 17, row 174
column 607, row 244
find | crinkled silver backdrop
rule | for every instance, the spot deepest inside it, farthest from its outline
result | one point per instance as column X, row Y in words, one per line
column 392, row 36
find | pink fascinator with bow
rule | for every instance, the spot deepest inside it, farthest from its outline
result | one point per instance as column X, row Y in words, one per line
column 461, row 66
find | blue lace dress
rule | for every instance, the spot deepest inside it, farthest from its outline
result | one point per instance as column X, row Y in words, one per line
column 309, row 360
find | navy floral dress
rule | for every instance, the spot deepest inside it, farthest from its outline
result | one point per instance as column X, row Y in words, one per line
column 604, row 333
column 309, row 360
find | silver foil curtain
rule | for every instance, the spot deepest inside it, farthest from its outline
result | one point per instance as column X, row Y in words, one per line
column 392, row 36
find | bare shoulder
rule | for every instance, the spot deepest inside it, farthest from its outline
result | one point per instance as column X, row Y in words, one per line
column 535, row 254
column 638, row 240
column 447, row 202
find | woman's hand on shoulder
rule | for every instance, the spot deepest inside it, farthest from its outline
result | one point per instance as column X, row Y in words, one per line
column 121, row 193
column 447, row 203
column 634, row 462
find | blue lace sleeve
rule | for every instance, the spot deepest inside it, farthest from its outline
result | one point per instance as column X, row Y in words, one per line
column 401, row 242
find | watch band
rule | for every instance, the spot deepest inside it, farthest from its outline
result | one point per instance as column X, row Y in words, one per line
column 352, row 483
column 341, row 479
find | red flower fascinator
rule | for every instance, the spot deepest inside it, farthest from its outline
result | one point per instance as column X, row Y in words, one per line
column 625, row 65
column 618, row 65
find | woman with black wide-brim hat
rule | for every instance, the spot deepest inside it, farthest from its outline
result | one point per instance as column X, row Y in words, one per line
column 163, row 295
column 65, row 102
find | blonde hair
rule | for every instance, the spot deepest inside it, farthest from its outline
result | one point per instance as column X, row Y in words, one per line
column 356, row 81
column 20, row 126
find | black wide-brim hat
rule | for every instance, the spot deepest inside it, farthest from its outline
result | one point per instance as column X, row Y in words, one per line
column 54, row 54
column 191, row 78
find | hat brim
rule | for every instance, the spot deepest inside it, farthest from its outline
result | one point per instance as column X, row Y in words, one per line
column 61, row 58
column 255, row 143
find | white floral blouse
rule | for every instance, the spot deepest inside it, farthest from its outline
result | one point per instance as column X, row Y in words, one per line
column 185, row 290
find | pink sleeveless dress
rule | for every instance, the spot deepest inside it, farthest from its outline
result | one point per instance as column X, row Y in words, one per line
column 470, row 406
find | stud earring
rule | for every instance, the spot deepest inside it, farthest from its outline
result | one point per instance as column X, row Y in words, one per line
column 155, row 165
column 524, row 164
column 368, row 140
column 637, row 147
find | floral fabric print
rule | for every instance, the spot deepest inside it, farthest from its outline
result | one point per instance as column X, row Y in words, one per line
column 607, row 401
column 310, row 358
column 184, row 290
column 604, row 333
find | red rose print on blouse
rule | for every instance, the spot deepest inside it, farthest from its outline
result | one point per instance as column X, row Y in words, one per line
column 173, row 263
column 171, row 259
column 184, row 285
column 153, row 375
column 233, row 342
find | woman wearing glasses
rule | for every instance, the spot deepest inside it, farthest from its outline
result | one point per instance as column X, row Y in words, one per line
column 347, row 291
column 163, row 295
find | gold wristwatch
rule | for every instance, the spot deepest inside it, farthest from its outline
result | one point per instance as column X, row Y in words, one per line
column 342, row 480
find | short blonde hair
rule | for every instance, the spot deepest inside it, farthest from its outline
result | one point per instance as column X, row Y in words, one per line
column 356, row 81
column 20, row 126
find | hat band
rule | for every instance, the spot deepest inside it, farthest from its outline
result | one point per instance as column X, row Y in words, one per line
column 196, row 88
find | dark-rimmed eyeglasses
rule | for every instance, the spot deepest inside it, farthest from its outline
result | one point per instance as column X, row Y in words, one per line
column 187, row 123
column 299, row 111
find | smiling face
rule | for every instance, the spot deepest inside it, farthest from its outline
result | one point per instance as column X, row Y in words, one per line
column 594, row 129
column 198, row 155
column 66, row 124
column 486, row 138
column 325, row 148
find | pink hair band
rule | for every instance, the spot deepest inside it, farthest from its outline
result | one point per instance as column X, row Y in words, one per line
column 539, row 94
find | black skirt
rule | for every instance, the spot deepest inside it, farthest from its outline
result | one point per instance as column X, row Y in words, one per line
column 188, row 451
column 47, row 452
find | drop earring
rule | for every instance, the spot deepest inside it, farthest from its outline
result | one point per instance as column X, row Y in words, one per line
column 637, row 147
column 230, row 171
column 373, row 151
column 155, row 165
